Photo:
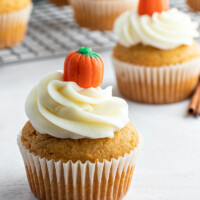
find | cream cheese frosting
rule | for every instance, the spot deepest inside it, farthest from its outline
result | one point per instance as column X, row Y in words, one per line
column 65, row 110
column 166, row 30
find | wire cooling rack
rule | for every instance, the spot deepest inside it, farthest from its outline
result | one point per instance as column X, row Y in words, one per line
column 53, row 32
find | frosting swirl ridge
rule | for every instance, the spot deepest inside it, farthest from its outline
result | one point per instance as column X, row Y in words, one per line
column 65, row 110
column 166, row 30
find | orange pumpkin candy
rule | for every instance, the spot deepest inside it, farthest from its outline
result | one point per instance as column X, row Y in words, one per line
column 148, row 7
column 84, row 67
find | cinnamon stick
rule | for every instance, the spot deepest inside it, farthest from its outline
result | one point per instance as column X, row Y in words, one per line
column 194, row 107
column 198, row 110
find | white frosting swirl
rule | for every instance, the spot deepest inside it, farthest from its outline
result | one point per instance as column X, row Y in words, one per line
column 166, row 30
column 65, row 110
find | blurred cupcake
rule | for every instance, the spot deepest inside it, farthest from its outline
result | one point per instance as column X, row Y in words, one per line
column 100, row 14
column 59, row 2
column 14, row 17
column 194, row 4
column 156, row 59
column 79, row 142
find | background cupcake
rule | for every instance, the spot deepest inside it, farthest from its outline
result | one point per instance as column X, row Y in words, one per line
column 59, row 2
column 194, row 4
column 156, row 59
column 14, row 17
column 79, row 143
column 100, row 14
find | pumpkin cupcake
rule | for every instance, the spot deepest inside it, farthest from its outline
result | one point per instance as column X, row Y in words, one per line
column 79, row 142
column 14, row 17
column 59, row 2
column 100, row 14
column 156, row 59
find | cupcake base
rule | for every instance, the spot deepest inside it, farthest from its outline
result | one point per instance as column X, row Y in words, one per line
column 13, row 27
column 100, row 15
column 72, row 181
column 157, row 85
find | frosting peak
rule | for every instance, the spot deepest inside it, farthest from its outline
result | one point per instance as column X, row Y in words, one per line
column 166, row 30
column 65, row 110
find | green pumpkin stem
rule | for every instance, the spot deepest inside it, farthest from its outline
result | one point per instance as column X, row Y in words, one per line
column 88, row 52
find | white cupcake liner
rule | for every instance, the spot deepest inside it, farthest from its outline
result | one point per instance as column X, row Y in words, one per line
column 13, row 26
column 100, row 15
column 166, row 84
column 49, row 179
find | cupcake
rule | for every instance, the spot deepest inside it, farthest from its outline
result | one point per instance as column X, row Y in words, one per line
column 59, row 2
column 78, row 142
column 156, row 60
column 194, row 4
column 14, row 17
column 100, row 14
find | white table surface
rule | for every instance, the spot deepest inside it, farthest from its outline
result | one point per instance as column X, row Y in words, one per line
column 168, row 166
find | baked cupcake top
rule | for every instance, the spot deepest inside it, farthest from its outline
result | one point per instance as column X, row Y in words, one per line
column 44, row 145
column 7, row 6
column 155, row 25
column 71, row 104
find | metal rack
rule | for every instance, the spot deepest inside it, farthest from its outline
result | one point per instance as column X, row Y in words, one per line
column 53, row 32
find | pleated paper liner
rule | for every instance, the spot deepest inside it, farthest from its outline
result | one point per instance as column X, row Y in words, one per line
column 100, row 14
column 79, row 181
column 157, row 85
column 13, row 27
